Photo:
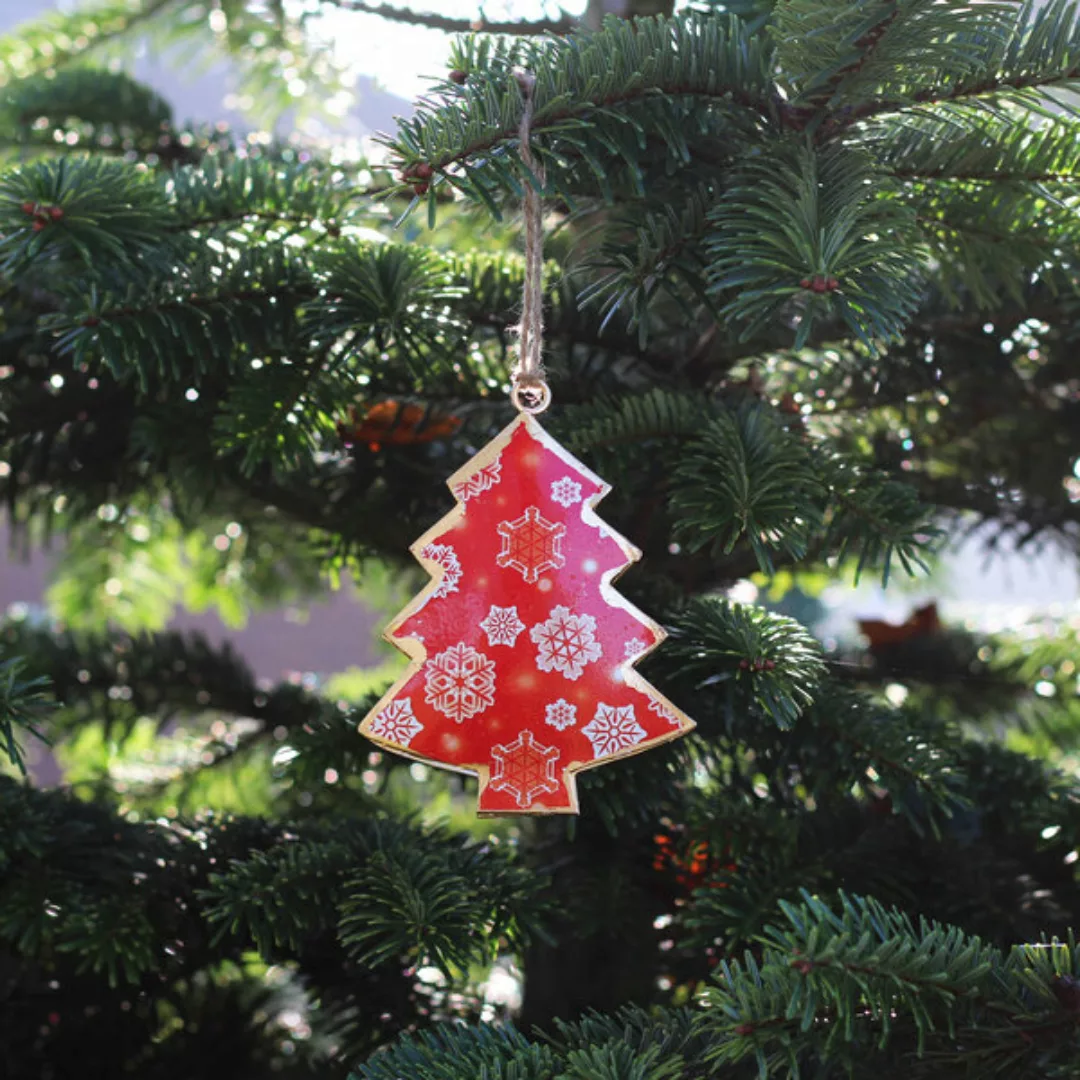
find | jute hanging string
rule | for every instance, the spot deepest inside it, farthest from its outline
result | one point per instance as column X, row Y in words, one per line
column 529, row 389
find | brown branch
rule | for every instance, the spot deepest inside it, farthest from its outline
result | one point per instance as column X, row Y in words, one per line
column 936, row 96
column 273, row 217
column 975, row 995
column 727, row 95
column 874, row 753
column 868, row 43
column 563, row 25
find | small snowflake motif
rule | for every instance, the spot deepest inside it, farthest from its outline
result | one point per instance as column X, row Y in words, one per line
column 460, row 682
column 560, row 714
column 566, row 642
column 397, row 723
column 634, row 647
column 482, row 480
column 663, row 711
column 525, row 769
column 447, row 558
column 566, row 492
column 502, row 625
column 612, row 729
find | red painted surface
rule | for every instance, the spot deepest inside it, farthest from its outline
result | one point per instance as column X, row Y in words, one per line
column 522, row 650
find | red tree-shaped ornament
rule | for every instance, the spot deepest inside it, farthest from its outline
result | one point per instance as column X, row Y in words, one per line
column 522, row 651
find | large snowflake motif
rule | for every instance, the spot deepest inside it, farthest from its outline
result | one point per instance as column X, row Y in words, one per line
column 634, row 647
column 460, row 682
column 397, row 723
column 566, row 642
column 482, row 480
column 525, row 769
column 612, row 729
column 566, row 492
column 531, row 545
column 447, row 558
column 560, row 714
column 502, row 625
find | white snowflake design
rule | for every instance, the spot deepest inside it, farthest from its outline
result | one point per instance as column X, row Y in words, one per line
column 566, row 492
column 525, row 769
column 634, row 647
column 566, row 642
column 447, row 558
column 613, row 728
column 396, row 723
column 482, row 480
column 560, row 714
column 502, row 625
column 663, row 711
column 532, row 545
column 460, row 682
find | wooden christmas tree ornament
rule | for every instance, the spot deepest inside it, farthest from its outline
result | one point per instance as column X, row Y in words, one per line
column 522, row 652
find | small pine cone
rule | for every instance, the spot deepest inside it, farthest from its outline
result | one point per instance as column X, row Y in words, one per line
column 832, row 284
column 819, row 285
column 421, row 189
column 423, row 171
column 28, row 208
column 744, row 664
column 458, row 76
column 38, row 225
column 56, row 212
column 804, row 283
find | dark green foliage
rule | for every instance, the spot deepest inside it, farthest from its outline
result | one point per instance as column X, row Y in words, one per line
column 993, row 1013
column 771, row 662
column 85, row 892
column 882, row 974
column 446, row 1053
column 742, row 471
column 23, row 705
column 107, row 211
column 836, row 225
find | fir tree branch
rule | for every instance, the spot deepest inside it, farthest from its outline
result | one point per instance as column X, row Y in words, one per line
column 588, row 76
column 24, row 704
column 959, row 94
column 553, row 120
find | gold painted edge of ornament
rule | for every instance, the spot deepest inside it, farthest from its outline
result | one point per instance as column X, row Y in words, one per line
column 416, row 651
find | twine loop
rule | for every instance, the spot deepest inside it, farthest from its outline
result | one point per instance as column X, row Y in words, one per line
column 529, row 389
